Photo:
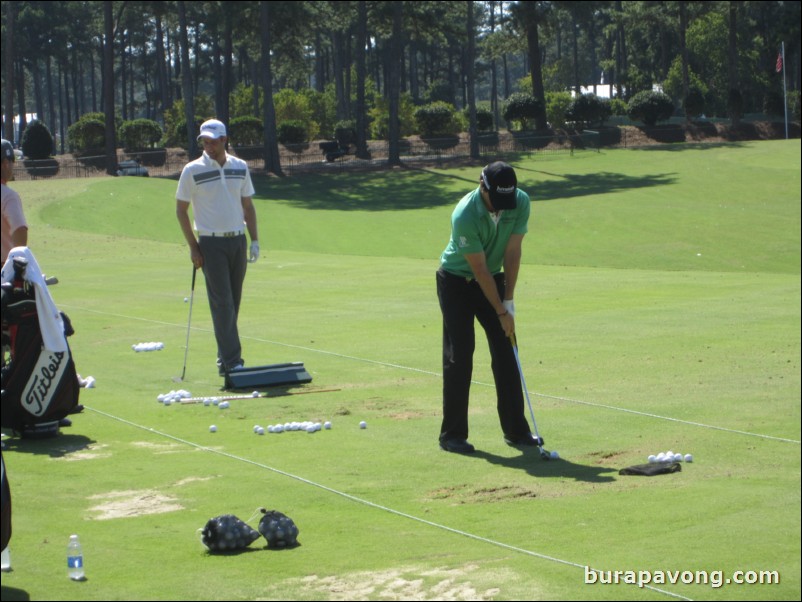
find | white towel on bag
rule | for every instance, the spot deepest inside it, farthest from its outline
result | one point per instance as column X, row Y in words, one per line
column 50, row 323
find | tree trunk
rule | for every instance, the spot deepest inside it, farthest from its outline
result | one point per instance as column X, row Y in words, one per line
column 186, row 80
column 394, row 86
column 161, row 69
column 272, row 157
column 8, row 70
column 108, row 87
column 471, row 74
column 683, row 28
column 533, row 47
column 361, row 116
column 228, row 55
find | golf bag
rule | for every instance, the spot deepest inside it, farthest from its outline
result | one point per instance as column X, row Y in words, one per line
column 39, row 381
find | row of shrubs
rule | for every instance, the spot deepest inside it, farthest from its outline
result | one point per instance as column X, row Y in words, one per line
column 437, row 119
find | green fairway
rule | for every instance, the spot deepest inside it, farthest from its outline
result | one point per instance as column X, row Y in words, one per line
column 658, row 308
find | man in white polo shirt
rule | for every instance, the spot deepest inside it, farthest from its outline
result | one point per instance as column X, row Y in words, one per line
column 219, row 188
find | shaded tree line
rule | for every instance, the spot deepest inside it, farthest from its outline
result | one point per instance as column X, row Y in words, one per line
column 151, row 59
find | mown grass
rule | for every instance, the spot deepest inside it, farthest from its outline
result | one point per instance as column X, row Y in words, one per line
column 658, row 308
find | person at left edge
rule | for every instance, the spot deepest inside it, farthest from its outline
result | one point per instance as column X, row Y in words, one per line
column 15, row 228
column 219, row 188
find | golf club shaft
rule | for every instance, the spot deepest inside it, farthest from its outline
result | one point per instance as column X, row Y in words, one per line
column 190, row 400
column 189, row 321
column 523, row 384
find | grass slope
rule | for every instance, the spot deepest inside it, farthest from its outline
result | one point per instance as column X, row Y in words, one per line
column 659, row 308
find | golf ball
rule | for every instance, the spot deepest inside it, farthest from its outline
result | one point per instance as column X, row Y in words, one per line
column 255, row 394
column 652, row 459
column 363, row 425
column 213, row 429
column 688, row 458
column 327, row 425
column 554, row 455
column 186, row 299
column 260, row 431
column 661, row 457
column 677, row 457
column 311, row 428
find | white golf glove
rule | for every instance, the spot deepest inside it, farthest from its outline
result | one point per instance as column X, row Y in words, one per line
column 509, row 305
column 254, row 253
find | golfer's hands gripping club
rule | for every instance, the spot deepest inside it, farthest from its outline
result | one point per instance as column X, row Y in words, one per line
column 507, row 323
column 254, row 252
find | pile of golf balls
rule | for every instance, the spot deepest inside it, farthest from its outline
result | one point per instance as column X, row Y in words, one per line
column 147, row 347
column 670, row 456
column 305, row 426
column 173, row 397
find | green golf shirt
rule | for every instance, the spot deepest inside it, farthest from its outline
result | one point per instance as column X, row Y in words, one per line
column 473, row 230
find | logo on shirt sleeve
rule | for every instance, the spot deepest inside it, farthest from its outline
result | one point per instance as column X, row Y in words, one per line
column 463, row 242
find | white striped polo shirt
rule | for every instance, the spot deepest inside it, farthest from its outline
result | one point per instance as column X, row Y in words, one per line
column 215, row 192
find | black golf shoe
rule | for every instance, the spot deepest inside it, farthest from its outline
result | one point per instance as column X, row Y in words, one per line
column 528, row 440
column 457, row 446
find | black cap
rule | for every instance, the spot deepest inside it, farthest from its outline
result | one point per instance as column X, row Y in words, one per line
column 500, row 180
column 8, row 150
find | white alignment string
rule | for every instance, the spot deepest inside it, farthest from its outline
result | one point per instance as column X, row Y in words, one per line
column 439, row 375
column 365, row 502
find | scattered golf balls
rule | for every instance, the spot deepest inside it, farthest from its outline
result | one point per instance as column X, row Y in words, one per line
column 555, row 455
column 363, row 425
column 688, row 458
column 213, row 429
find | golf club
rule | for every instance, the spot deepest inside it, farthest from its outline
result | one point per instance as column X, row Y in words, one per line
column 189, row 321
column 191, row 400
column 545, row 455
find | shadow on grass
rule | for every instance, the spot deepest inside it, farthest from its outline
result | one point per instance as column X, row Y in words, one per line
column 55, row 447
column 423, row 187
column 12, row 593
column 530, row 461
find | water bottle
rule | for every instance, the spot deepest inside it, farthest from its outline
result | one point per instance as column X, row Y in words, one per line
column 75, row 559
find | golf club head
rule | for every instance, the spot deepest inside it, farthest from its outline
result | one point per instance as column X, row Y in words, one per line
column 544, row 454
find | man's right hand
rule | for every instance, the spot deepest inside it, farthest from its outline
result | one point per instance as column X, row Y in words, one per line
column 507, row 323
column 196, row 256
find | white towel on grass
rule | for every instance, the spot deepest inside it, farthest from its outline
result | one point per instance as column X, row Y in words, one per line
column 50, row 323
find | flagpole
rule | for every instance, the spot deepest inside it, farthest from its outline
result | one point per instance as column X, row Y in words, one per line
column 785, row 94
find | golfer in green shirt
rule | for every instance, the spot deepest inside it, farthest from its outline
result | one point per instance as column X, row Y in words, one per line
column 476, row 281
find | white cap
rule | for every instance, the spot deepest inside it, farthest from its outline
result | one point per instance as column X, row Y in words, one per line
column 212, row 129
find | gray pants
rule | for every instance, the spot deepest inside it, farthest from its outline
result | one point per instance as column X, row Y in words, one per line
column 225, row 261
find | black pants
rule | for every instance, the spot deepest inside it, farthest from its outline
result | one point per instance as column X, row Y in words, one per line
column 462, row 301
